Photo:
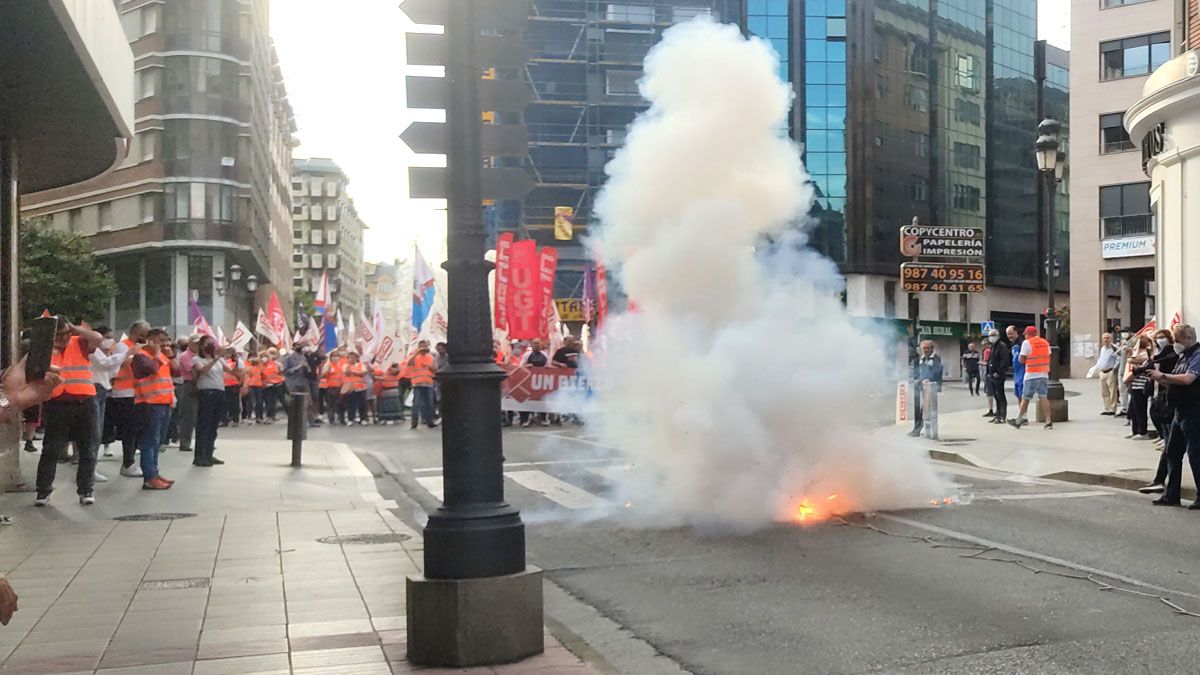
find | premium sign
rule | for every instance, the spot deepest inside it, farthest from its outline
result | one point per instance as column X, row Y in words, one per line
column 927, row 241
column 919, row 277
column 1127, row 247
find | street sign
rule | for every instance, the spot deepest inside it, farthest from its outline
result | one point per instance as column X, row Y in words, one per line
column 495, row 95
column 496, row 14
column 986, row 327
column 506, row 140
column 429, row 182
column 921, row 277
column 924, row 241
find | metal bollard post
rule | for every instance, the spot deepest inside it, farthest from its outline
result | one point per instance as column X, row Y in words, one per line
column 297, row 427
column 929, row 416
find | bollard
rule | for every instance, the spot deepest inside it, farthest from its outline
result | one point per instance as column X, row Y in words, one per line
column 929, row 413
column 297, row 426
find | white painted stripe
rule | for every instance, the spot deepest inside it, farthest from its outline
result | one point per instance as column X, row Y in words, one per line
column 437, row 470
column 1049, row 495
column 363, row 478
column 980, row 541
column 568, row 438
column 557, row 490
column 613, row 472
column 432, row 485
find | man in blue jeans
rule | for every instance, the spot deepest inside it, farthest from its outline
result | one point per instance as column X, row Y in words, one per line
column 1018, row 368
column 1183, row 394
column 154, row 396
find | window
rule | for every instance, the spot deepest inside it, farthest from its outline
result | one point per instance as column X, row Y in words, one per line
column 331, row 188
column 317, row 237
column 681, row 14
column 299, row 237
column 315, row 187
column 918, row 58
column 206, row 141
column 630, row 13
column 73, row 220
column 966, row 111
column 835, row 27
column 148, row 81
column 177, row 201
column 299, row 259
column 966, row 197
column 1125, row 210
column 621, row 82
column 1134, row 56
column 315, row 286
column 331, row 212
column 299, row 187
column 149, row 201
column 881, row 85
column 200, row 281
column 943, row 307
column 916, row 98
column 105, row 216
column 202, row 76
column 1113, row 137
column 920, row 143
column 914, row 306
column 148, row 144
column 966, row 155
column 331, row 261
column 317, row 262
column 199, row 201
column 889, row 299
column 158, row 289
column 967, row 76
column 918, row 189
column 331, row 237
column 316, row 213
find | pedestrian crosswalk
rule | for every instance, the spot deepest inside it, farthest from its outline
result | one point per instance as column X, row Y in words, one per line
column 524, row 484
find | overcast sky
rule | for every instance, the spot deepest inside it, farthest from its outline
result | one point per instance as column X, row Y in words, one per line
column 345, row 70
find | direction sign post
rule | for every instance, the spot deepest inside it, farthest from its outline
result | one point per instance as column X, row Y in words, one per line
column 475, row 568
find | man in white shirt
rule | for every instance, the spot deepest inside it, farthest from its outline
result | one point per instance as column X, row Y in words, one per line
column 1107, row 366
column 106, row 361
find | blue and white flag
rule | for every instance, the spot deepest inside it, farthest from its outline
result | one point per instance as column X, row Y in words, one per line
column 423, row 292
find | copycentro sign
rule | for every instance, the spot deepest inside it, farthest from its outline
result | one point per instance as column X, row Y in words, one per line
column 926, row 241
column 1127, row 247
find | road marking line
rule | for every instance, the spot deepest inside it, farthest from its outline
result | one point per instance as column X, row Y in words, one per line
column 363, row 477
column 557, row 490
column 612, row 472
column 432, row 485
column 980, row 541
column 569, row 438
column 437, row 470
column 1048, row 495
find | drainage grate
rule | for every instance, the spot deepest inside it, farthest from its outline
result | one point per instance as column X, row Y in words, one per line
column 154, row 516
column 174, row 584
column 389, row 538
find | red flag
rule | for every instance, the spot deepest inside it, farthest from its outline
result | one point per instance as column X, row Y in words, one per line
column 277, row 320
column 523, row 297
column 45, row 314
column 500, row 310
column 547, row 265
column 1148, row 328
column 1176, row 319
column 601, row 294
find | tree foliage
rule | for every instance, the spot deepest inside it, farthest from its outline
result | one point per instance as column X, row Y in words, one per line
column 58, row 271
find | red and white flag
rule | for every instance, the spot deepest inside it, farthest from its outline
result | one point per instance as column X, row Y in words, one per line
column 264, row 328
column 278, row 321
column 1149, row 328
column 1176, row 319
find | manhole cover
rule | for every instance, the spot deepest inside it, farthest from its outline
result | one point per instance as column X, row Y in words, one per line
column 390, row 538
column 174, row 584
column 154, row 516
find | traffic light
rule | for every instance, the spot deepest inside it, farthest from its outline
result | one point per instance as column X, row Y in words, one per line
column 491, row 56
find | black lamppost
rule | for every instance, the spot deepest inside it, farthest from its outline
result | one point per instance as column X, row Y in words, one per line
column 1051, row 161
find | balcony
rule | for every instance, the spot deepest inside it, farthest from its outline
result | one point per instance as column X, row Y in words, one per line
column 1127, row 226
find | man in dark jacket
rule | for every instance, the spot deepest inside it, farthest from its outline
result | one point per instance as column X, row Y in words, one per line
column 928, row 368
column 998, row 366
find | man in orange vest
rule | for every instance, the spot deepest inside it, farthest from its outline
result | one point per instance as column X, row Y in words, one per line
column 119, row 422
column 421, row 370
column 1035, row 354
column 70, row 414
column 331, row 387
column 354, row 390
column 154, row 396
column 273, row 380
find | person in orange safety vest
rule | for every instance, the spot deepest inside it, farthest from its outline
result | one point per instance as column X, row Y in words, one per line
column 154, row 396
column 354, row 390
column 421, row 369
column 1035, row 354
column 69, row 416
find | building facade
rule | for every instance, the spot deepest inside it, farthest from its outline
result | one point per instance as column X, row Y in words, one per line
column 327, row 236
column 585, row 64
column 926, row 109
column 203, row 195
column 1165, row 123
column 1115, row 46
column 384, row 284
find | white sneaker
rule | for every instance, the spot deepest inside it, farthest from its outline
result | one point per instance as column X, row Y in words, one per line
column 107, row 451
column 42, row 500
column 100, row 478
column 134, row 471
column 87, row 500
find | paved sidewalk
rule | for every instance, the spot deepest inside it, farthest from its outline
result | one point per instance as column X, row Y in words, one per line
column 1089, row 448
column 251, row 567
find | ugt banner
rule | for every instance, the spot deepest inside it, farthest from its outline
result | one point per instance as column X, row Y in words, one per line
column 524, row 291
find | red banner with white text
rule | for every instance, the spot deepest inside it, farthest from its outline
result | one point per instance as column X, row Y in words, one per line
column 501, row 282
column 524, row 289
column 547, row 265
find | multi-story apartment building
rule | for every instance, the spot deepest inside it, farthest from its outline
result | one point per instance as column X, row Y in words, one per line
column 586, row 61
column 927, row 109
column 384, row 284
column 328, row 235
column 1116, row 44
column 203, row 196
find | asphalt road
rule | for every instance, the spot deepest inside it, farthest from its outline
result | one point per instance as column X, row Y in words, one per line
column 1030, row 576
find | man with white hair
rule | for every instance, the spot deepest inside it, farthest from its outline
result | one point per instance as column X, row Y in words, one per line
column 1184, row 395
column 927, row 369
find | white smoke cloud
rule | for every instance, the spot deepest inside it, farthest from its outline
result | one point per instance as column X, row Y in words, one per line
column 739, row 389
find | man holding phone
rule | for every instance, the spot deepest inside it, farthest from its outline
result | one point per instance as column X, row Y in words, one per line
column 70, row 414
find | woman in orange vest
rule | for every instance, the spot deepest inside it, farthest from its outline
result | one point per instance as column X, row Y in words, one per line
column 233, row 388
column 69, row 416
column 254, row 391
column 354, row 390
column 331, row 388
column 153, row 396
column 273, row 389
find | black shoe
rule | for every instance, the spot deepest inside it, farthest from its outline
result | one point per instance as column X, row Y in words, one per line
column 1151, row 488
column 990, row 413
column 183, row 449
column 201, row 462
column 914, row 433
column 1163, row 501
column 29, row 447
column 432, row 426
column 216, row 462
column 1194, row 506
column 412, row 426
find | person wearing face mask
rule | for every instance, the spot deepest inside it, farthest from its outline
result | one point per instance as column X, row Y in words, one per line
column 1184, row 395
column 1161, row 412
column 208, row 372
column 1140, row 386
column 1124, row 350
column 999, row 364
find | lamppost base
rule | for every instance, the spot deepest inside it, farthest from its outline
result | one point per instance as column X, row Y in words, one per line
column 462, row 623
column 1058, row 404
